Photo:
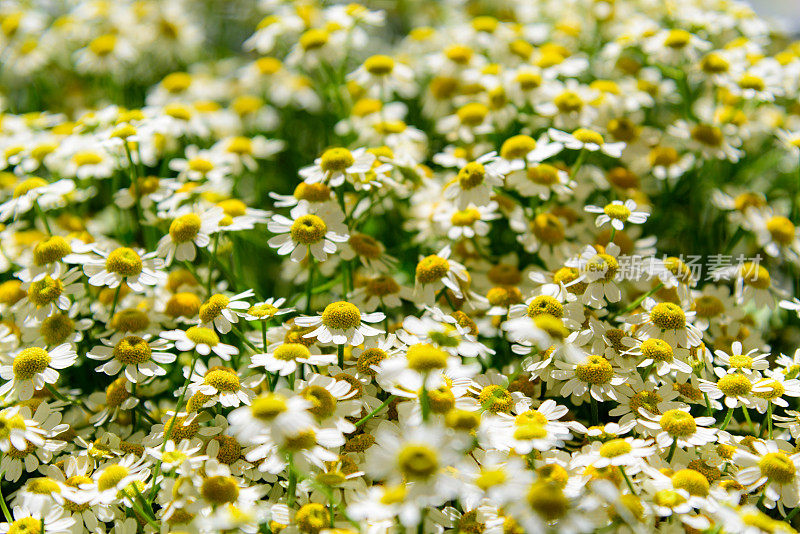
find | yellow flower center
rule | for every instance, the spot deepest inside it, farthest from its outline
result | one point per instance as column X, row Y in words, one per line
column 336, row 160
column 268, row 407
column 594, row 369
column 317, row 192
column 568, row 102
column 311, row 518
column 117, row 392
column 213, row 307
column 103, row 45
column 132, row 350
column 30, row 362
column 112, row 476
column 124, row 261
column 424, row 357
column 617, row 211
column 28, row 185
column 308, row 230
column 185, row 228
column 588, row 136
column 466, row 217
column 668, row 316
column 734, row 385
column 341, row 315
column 755, row 275
column 565, row 275
column 201, row 335
column 45, row 291
column 708, row 135
column 692, row 481
column 668, row 498
column 677, row 39
column 222, row 379
column 551, row 325
column 472, row 114
column 678, row 423
column 547, row 228
column 323, row 403
column 543, row 174
column 26, row 525
column 781, row 229
column 471, row 175
column 56, row 328
column 182, row 304
column 777, row 467
column 648, row 400
column 657, row 349
column 418, row 461
column 379, row 65
column 365, row 246
column 314, row 39
column 545, row 304
column 368, row 358
column 517, row 147
column 504, row 296
column 547, row 500
column 219, row 490
column 614, row 448
column 495, row 399
column 605, row 264
column 431, row 269
column 50, row 250
column 775, row 390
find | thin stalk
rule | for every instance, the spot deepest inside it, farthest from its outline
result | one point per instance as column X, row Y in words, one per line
column 672, row 450
column 374, row 412
column 727, row 419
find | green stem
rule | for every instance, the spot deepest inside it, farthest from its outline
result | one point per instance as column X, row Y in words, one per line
column 672, row 450
column 168, row 431
column 42, row 216
column 595, row 416
column 211, row 262
column 627, row 480
column 309, row 282
column 578, row 164
column 63, row 398
column 291, row 489
column 747, row 418
column 340, row 355
column 727, row 419
column 116, row 299
column 424, row 401
column 638, row 301
column 374, row 412
column 3, row 504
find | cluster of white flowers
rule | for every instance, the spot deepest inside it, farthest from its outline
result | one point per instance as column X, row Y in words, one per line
column 369, row 270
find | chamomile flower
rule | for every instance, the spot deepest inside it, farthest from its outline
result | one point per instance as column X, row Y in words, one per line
column 220, row 312
column 203, row 340
column 618, row 213
column 123, row 264
column 341, row 323
column 773, row 467
column 187, row 232
column 337, row 164
column 33, row 368
column 436, row 272
column 138, row 357
column 475, row 181
column 286, row 357
column 306, row 233
column 585, row 139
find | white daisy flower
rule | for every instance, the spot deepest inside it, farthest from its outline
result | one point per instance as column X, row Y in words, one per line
column 203, row 340
column 139, row 356
column 34, row 367
column 618, row 213
column 341, row 323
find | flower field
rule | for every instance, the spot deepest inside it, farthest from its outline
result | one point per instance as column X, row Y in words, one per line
column 453, row 267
